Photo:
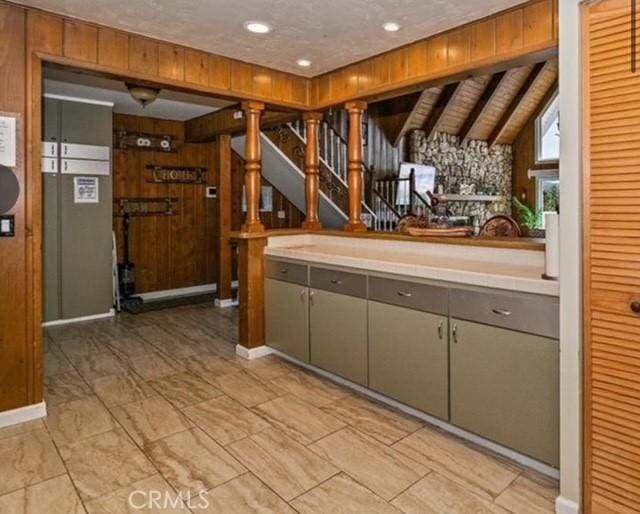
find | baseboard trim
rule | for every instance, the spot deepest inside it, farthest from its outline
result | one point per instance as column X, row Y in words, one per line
column 463, row 434
column 23, row 414
column 227, row 302
column 181, row 291
column 566, row 506
column 56, row 322
column 253, row 353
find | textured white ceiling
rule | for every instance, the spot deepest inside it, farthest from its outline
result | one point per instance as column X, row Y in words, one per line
column 170, row 105
column 331, row 33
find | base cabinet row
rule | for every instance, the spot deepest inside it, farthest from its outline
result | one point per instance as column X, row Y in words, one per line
column 495, row 382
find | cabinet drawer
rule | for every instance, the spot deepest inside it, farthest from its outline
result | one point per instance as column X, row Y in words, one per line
column 526, row 313
column 420, row 297
column 287, row 271
column 92, row 152
column 85, row 167
column 341, row 282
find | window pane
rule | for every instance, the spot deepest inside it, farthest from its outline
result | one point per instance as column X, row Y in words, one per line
column 550, row 195
column 549, row 133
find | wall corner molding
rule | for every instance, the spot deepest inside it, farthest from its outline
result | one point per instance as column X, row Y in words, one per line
column 566, row 506
column 23, row 414
column 253, row 353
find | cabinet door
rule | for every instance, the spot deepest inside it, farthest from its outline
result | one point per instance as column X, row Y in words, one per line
column 287, row 318
column 408, row 357
column 338, row 331
column 505, row 387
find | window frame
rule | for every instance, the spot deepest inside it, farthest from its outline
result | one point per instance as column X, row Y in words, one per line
column 538, row 135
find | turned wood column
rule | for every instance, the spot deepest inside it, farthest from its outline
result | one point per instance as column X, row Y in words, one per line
column 253, row 166
column 312, row 171
column 354, row 170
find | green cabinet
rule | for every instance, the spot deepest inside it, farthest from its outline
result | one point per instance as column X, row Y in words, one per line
column 505, row 387
column 287, row 318
column 338, row 334
column 408, row 357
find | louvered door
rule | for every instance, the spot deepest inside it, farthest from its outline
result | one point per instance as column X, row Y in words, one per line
column 612, row 260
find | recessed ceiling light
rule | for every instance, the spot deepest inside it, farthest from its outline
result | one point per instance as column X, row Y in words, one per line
column 305, row 63
column 391, row 26
column 257, row 27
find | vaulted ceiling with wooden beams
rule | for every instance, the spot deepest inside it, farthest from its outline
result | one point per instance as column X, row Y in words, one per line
column 492, row 108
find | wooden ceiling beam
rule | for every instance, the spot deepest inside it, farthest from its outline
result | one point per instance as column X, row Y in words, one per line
column 445, row 100
column 481, row 105
column 515, row 103
column 206, row 128
column 405, row 123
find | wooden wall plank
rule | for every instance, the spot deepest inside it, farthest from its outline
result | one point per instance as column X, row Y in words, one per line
column 143, row 55
column 538, row 22
column 196, row 67
column 45, row 32
column 219, row 72
column 261, row 81
column 483, row 40
column 509, row 31
column 80, row 41
column 459, row 47
column 113, row 48
column 241, row 77
column 171, row 62
column 417, row 59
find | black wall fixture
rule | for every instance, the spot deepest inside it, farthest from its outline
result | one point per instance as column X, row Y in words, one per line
column 9, row 189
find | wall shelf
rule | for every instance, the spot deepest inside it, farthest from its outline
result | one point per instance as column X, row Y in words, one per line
column 471, row 198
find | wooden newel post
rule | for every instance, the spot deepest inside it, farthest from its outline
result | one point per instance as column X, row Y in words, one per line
column 312, row 171
column 354, row 169
column 253, row 166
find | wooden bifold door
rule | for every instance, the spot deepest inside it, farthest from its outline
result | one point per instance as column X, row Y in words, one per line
column 611, row 81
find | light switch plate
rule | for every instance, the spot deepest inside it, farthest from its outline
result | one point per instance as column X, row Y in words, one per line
column 211, row 192
column 282, row 215
column 7, row 225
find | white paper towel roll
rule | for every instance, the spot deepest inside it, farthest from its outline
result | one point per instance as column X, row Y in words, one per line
column 552, row 246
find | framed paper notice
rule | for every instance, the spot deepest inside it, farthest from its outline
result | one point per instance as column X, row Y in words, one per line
column 85, row 190
column 8, row 141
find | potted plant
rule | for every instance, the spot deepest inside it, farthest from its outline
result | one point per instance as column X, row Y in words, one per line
column 530, row 221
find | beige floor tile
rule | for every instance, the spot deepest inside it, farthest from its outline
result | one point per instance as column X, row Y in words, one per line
column 65, row 387
column 380, row 468
column 104, row 463
column 435, row 494
column 99, row 365
column 118, row 389
column 225, row 419
column 210, row 366
column 266, row 368
column 26, row 459
column 530, row 493
column 150, row 419
column 474, row 469
column 79, row 419
column 286, row 466
column 299, row 420
column 55, row 362
column 184, row 389
column 136, row 499
column 85, row 345
column 342, row 495
column 245, row 389
column 154, row 365
column 54, row 496
column 21, row 428
column 245, row 495
column 373, row 419
column 310, row 388
column 192, row 461
column 130, row 346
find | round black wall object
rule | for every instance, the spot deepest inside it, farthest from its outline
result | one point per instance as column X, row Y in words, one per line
column 9, row 189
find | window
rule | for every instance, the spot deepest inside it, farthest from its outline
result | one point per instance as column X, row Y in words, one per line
column 547, row 190
column 548, row 133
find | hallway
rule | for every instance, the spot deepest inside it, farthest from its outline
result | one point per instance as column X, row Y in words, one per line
column 160, row 402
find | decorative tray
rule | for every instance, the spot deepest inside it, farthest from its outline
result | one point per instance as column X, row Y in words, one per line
column 440, row 232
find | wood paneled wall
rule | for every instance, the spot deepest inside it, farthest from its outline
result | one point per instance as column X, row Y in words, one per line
column 101, row 49
column 16, row 355
column 170, row 252
column 529, row 30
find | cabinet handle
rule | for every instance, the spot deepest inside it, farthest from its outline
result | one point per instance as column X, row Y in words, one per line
column 440, row 330
column 336, row 282
column 501, row 312
column 284, row 271
column 405, row 294
column 454, row 332
column 311, row 295
column 303, row 295
column 635, row 306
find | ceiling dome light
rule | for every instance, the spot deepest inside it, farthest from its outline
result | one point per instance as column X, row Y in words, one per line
column 391, row 26
column 143, row 95
column 257, row 27
column 304, row 63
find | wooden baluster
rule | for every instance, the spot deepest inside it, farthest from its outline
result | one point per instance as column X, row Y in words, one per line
column 312, row 171
column 354, row 169
column 253, row 166
column 412, row 191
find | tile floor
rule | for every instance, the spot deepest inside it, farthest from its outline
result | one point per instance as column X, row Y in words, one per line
column 160, row 403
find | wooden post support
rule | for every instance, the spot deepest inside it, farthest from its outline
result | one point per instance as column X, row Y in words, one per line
column 251, row 295
column 354, row 169
column 312, row 171
column 223, row 291
column 253, row 166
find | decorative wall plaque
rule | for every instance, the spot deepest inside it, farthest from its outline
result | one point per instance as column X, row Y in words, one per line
column 145, row 206
column 141, row 141
column 176, row 174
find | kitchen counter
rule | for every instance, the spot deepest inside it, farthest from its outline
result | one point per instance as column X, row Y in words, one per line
column 504, row 268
